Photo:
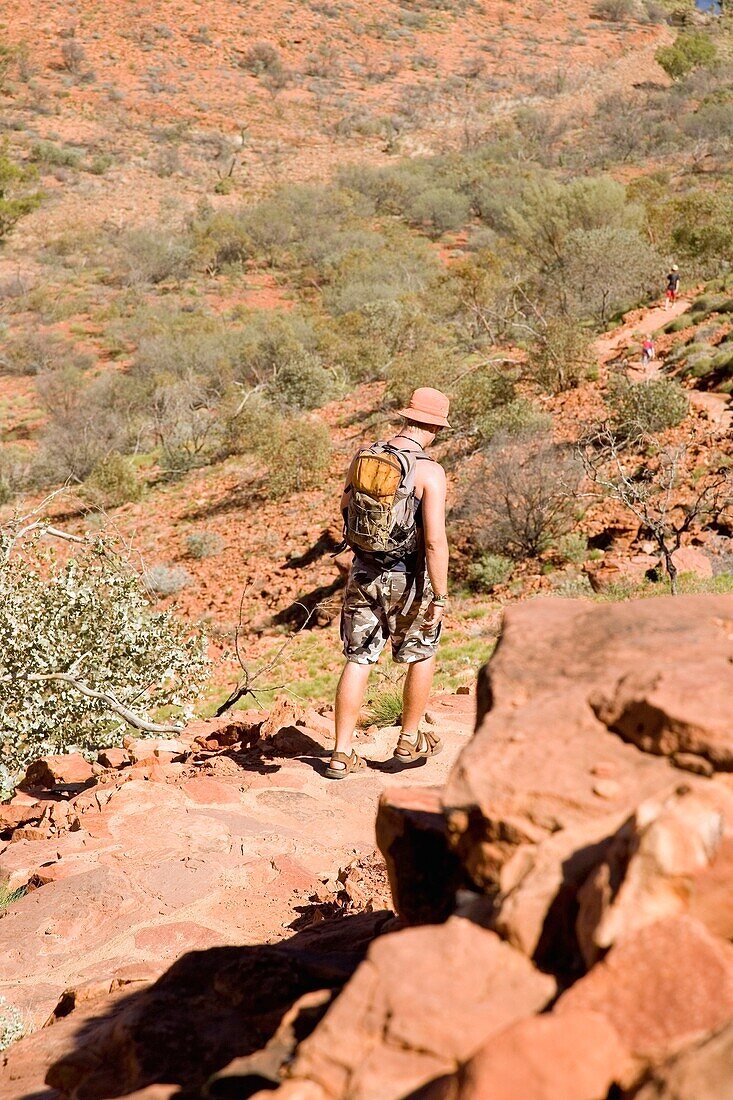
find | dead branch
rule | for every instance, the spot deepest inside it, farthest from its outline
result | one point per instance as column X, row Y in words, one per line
column 129, row 716
column 245, row 686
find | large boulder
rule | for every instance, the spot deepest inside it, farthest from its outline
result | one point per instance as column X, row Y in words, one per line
column 210, row 1007
column 576, row 1056
column 424, row 873
column 424, row 1001
column 553, row 743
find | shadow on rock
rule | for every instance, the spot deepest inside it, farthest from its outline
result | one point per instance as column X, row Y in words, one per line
column 212, row 1007
column 306, row 613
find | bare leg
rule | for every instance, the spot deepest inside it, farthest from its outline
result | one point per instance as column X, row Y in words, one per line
column 415, row 695
column 349, row 698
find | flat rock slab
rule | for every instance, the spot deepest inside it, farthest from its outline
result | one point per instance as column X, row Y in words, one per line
column 149, row 864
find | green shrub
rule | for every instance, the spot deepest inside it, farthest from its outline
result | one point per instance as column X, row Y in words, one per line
column 641, row 409
column 613, row 11
column 439, row 209
column 247, row 426
column 88, row 617
column 690, row 50
column 572, row 548
column 679, row 323
column 16, row 472
column 12, row 1025
column 87, row 420
column 561, row 356
column 572, row 586
column 297, row 454
column 384, row 705
column 605, row 270
column 54, row 156
column 113, row 481
column 429, row 368
column 515, row 418
column 220, row 240
column 153, row 256
column 703, row 228
column 204, row 544
column 488, row 571
column 302, row 383
column 479, row 394
column 522, row 499
column 36, row 351
column 165, row 580
column 16, row 200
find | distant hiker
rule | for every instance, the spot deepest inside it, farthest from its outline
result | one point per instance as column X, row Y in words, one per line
column 394, row 520
column 673, row 286
column 648, row 352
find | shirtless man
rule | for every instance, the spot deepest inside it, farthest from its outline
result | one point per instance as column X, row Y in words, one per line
column 403, row 600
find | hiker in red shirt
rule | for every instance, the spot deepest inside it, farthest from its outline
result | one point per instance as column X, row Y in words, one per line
column 673, row 286
column 647, row 352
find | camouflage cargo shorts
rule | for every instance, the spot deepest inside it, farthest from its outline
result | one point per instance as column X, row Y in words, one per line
column 381, row 605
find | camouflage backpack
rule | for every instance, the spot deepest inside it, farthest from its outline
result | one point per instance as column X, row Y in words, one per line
column 380, row 519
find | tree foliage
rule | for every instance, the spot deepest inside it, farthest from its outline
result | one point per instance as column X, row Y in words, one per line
column 80, row 648
column 690, row 50
column 16, row 198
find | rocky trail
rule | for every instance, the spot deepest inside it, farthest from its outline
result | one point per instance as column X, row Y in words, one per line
column 567, row 888
column 231, row 835
column 612, row 347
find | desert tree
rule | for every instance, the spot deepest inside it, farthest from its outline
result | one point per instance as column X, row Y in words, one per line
column 523, row 496
column 82, row 655
column 654, row 491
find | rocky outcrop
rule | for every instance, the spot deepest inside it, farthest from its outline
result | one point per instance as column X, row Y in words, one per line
column 568, row 890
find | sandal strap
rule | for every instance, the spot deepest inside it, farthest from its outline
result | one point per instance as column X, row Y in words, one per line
column 342, row 757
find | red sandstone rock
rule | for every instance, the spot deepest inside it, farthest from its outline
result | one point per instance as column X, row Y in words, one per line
column 423, row 1000
column 142, row 750
column 704, row 1072
column 234, row 728
column 689, row 559
column 539, row 891
column 209, row 1007
column 648, row 869
column 664, row 987
column 528, row 771
column 113, row 758
column 12, row 817
column 424, row 873
column 675, row 709
column 299, row 741
column 576, row 1056
column 284, row 713
column 50, row 771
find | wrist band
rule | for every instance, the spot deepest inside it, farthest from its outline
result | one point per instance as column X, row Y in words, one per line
column 440, row 600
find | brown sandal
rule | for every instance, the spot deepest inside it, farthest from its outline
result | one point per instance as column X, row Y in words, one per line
column 351, row 763
column 425, row 744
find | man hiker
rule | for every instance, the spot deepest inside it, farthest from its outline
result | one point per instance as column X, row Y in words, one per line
column 673, row 286
column 394, row 520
